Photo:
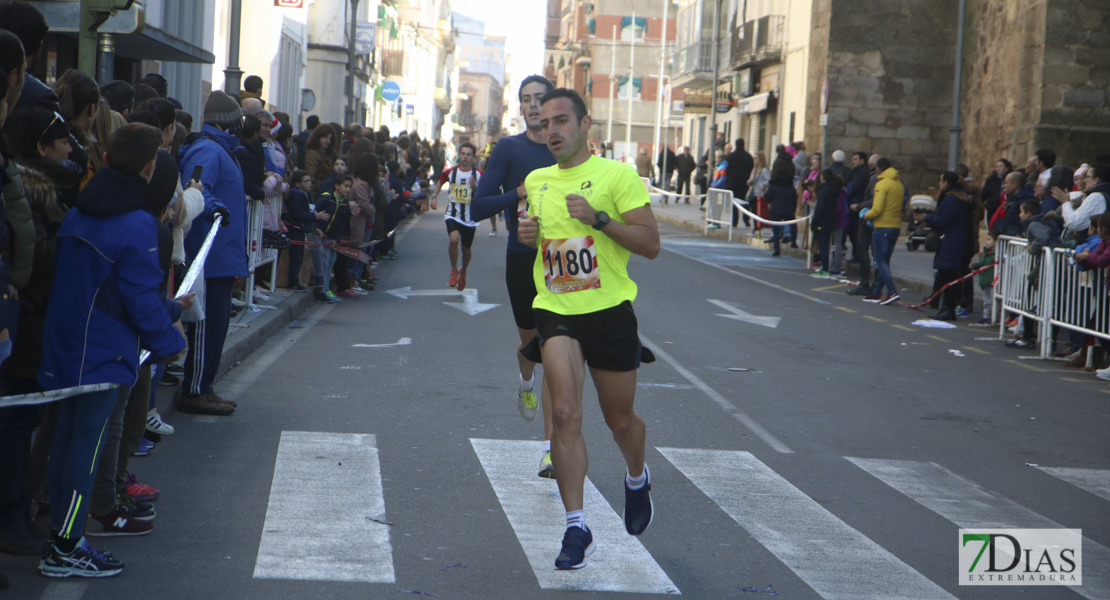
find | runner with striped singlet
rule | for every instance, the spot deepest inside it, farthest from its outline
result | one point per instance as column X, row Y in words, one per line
column 502, row 190
column 586, row 216
column 463, row 180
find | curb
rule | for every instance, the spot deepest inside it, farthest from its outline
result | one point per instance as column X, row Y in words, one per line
column 910, row 285
column 239, row 346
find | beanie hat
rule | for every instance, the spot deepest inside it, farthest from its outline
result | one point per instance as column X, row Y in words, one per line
column 221, row 109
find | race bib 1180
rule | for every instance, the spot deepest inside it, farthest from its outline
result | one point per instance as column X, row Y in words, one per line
column 570, row 265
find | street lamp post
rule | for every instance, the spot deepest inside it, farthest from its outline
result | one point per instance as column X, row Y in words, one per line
column 233, row 75
column 713, row 84
column 662, row 73
column 631, row 79
column 351, row 65
column 612, row 89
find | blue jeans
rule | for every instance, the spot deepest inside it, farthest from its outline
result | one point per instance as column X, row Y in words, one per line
column 882, row 241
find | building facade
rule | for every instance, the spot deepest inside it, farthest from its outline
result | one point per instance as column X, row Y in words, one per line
column 617, row 55
column 480, row 99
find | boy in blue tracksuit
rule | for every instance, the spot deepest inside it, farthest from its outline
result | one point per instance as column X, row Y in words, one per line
column 104, row 308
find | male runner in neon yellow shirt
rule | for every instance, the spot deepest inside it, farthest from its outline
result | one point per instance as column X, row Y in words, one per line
column 586, row 216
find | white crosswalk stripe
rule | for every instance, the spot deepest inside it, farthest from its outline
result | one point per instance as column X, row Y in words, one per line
column 312, row 533
column 535, row 512
column 808, row 539
column 1095, row 481
column 970, row 506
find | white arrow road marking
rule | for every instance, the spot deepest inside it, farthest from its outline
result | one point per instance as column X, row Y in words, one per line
column 407, row 291
column 401, row 342
column 470, row 304
column 314, row 533
column 747, row 317
column 535, row 512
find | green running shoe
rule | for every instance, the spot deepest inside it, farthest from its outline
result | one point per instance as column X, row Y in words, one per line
column 547, row 470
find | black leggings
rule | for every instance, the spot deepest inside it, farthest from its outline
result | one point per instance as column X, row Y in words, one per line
column 339, row 273
column 951, row 296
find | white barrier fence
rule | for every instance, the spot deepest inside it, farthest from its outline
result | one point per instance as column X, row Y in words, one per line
column 1050, row 290
column 257, row 254
column 717, row 204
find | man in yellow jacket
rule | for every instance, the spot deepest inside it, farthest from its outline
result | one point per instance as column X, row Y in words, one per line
column 886, row 215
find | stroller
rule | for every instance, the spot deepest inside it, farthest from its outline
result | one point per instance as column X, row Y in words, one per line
column 920, row 205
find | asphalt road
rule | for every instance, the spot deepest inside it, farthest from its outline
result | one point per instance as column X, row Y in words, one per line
column 377, row 450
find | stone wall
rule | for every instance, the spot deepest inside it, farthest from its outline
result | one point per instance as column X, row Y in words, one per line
column 1004, row 48
column 1036, row 74
column 1076, row 81
column 890, row 72
column 811, row 130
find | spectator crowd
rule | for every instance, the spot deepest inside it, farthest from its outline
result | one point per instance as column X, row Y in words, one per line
column 858, row 210
column 109, row 193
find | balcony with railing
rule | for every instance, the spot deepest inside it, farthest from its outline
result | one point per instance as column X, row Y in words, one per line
column 694, row 65
column 393, row 62
column 758, row 42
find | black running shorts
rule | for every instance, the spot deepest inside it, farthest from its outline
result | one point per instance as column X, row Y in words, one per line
column 522, row 287
column 466, row 234
column 608, row 337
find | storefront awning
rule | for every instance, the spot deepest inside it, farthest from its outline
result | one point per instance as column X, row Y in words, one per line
column 134, row 38
column 753, row 104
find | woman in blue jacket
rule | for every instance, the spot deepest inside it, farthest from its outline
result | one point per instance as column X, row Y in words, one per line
column 951, row 223
column 104, row 308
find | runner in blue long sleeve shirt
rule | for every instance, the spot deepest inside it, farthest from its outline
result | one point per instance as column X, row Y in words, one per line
column 501, row 189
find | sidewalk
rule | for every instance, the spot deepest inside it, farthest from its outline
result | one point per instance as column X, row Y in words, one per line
column 912, row 270
column 247, row 333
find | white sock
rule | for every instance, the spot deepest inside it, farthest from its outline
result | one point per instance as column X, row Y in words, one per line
column 547, row 445
column 635, row 483
column 530, row 384
column 576, row 518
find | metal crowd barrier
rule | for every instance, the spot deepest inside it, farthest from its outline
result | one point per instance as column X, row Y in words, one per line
column 1077, row 300
column 257, row 255
column 1048, row 289
column 718, row 204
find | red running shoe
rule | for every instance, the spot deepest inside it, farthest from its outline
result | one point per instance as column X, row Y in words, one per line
column 141, row 492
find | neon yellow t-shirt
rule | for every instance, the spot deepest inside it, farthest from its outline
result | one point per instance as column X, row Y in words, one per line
column 578, row 269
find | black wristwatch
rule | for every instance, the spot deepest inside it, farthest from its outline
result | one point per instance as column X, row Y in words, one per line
column 602, row 220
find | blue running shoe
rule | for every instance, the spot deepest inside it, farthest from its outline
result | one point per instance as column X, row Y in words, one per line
column 84, row 561
column 145, row 446
column 578, row 543
column 638, row 509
